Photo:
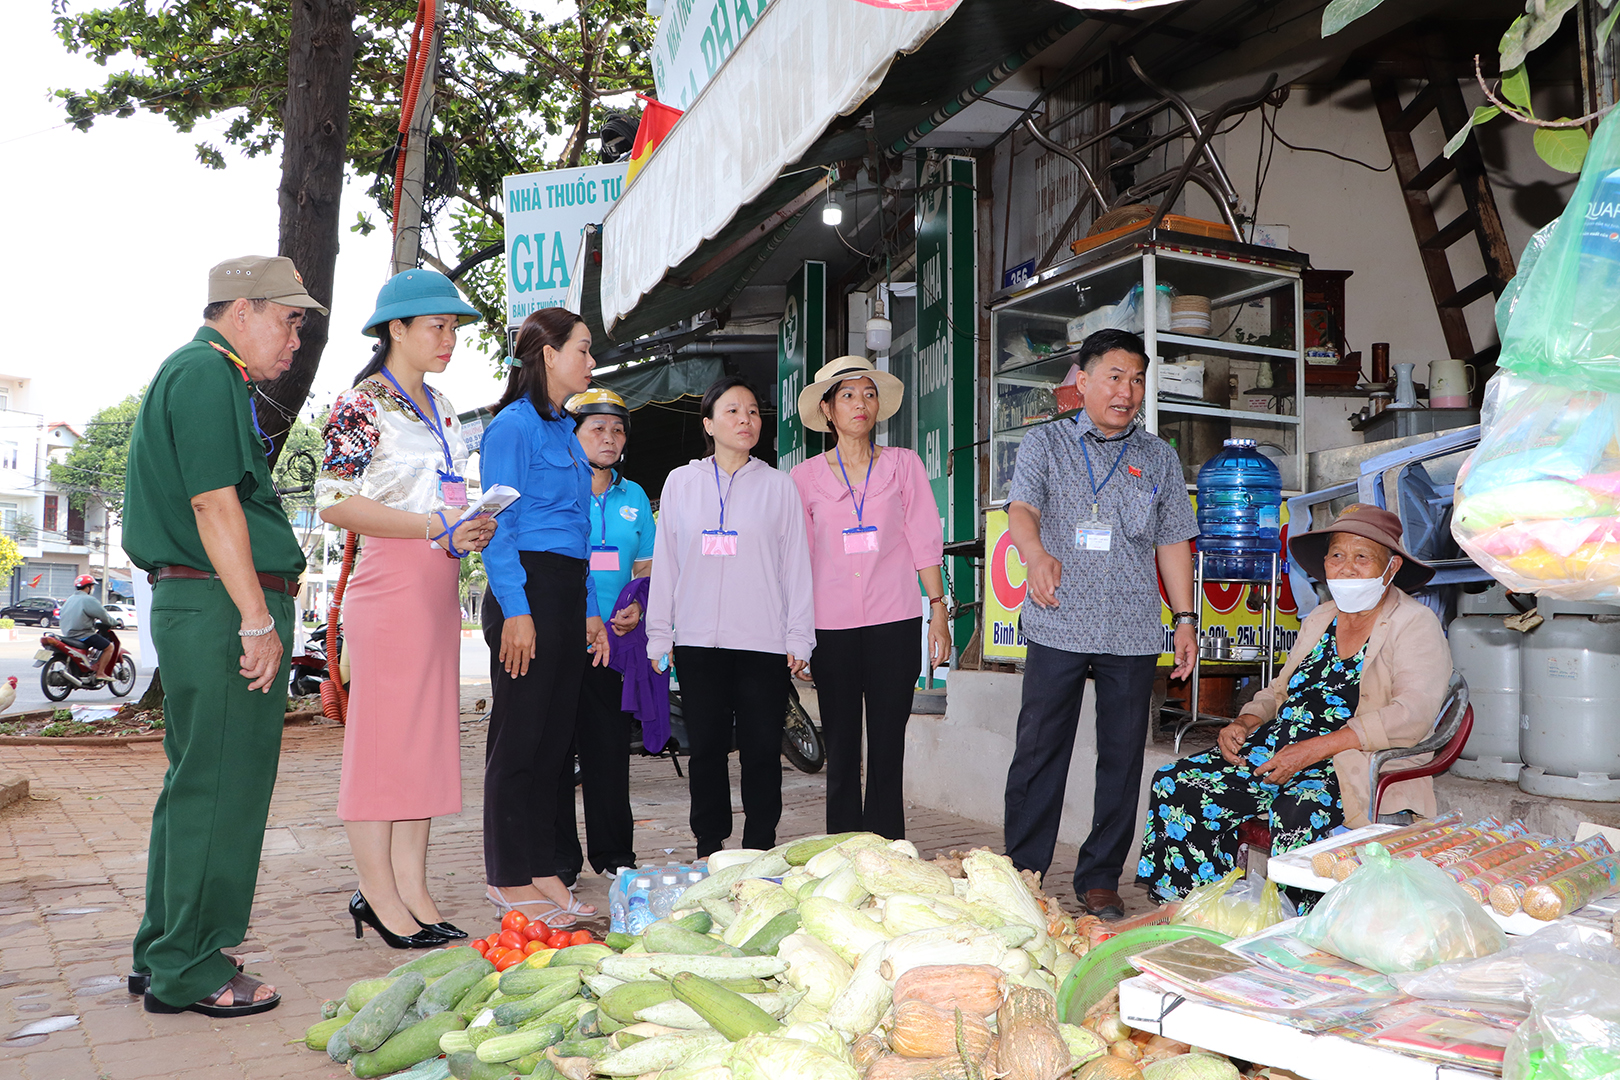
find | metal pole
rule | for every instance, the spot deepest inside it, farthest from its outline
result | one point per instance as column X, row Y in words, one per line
column 408, row 229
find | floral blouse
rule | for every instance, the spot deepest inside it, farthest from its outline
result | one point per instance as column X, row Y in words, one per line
column 377, row 447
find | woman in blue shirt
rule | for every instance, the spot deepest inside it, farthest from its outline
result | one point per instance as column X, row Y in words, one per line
column 622, row 533
column 540, row 599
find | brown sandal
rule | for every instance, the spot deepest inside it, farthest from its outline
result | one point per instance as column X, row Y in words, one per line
column 241, row 987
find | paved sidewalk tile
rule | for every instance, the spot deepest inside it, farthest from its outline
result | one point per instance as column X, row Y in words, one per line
column 72, row 875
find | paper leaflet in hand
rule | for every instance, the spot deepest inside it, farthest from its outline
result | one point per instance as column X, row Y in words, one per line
column 494, row 499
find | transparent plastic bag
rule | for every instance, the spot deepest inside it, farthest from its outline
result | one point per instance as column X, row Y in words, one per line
column 1396, row 915
column 1573, row 1032
column 1237, row 908
column 1520, row 973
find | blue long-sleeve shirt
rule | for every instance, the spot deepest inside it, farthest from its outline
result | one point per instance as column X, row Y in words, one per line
column 543, row 460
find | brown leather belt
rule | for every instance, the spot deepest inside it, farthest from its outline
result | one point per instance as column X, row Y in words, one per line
column 268, row 581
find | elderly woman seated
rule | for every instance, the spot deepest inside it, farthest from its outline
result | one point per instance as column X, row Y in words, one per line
column 1368, row 672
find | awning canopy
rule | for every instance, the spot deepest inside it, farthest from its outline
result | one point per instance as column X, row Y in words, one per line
column 747, row 159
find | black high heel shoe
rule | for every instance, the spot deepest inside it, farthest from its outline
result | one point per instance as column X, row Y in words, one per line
column 361, row 913
column 449, row 930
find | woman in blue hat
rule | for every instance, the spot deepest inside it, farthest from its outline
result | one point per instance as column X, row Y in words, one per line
column 394, row 472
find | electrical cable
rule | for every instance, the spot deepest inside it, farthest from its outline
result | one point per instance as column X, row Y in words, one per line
column 1271, row 126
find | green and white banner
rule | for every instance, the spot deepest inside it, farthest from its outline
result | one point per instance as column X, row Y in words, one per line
column 545, row 214
column 801, row 349
column 694, row 38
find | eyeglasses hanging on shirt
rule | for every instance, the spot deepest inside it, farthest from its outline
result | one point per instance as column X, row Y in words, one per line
column 1097, row 534
column 863, row 537
column 721, row 542
column 452, row 486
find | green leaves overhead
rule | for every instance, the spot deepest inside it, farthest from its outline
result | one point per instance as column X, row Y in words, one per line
column 1516, row 89
column 1483, row 114
column 1341, row 13
column 1539, row 22
column 1562, row 148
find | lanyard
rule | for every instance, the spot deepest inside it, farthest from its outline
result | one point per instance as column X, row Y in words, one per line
column 860, row 507
column 253, row 407
column 601, row 507
column 729, row 484
column 1096, row 488
column 433, row 425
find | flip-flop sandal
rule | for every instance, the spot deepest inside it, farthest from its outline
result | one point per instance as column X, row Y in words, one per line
column 241, row 987
column 141, row 981
column 578, row 909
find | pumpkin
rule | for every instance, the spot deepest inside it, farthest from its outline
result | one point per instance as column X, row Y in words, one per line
column 1108, row 1068
column 921, row 1031
column 1030, row 1045
column 976, row 989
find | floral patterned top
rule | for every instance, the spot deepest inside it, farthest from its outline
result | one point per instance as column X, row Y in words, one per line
column 377, row 447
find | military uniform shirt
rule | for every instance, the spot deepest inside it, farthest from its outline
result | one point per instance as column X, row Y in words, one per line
column 194, row 433
column 1108, row 601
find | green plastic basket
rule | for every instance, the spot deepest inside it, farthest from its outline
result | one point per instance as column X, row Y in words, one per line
column 1108, row 965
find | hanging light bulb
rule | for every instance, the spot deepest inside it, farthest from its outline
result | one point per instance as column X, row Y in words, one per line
column 879, row 330
column 832, row 213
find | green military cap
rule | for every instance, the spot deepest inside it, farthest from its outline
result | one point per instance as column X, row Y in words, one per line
column 260, row 277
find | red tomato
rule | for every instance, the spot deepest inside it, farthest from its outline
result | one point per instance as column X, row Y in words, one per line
column 493, row 939
column 511, row 939
column 581, row 937
column 560, row 939
column 514, row 920
column 531, row 947
column 481, row 945
column 512, row 958
column 494, row 955
column 536, row 931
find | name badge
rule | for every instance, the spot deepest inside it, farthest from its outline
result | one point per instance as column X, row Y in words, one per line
column 1093, row 536
column 604, row 557
column 860, row 540
column 453, row 492
column 720, row 543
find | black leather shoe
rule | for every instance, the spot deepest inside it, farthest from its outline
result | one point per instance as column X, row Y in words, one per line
column 449, row 930
column 1106, row 904
column 361, row 913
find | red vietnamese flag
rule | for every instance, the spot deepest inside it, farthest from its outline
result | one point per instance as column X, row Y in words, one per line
column 656, row 121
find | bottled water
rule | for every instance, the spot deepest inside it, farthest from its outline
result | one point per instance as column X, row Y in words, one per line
column 618, row 908
column 1239, row 513
column 638, row 904
column 667, row 891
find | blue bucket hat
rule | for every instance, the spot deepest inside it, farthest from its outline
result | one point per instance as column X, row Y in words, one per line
column 418, row 292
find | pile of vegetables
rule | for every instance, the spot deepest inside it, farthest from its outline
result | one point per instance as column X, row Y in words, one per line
column 834, row 958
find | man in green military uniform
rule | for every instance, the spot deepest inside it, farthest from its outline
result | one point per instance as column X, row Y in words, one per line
column 201, row 517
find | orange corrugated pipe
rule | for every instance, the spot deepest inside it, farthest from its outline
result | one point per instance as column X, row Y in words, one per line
column 415, row 70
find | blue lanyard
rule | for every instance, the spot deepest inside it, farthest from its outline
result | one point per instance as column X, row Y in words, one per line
column 860, row 507
column 1096, row 488
column 253, row 406
column 729, row 485
column 433, row 425
column 601, row 506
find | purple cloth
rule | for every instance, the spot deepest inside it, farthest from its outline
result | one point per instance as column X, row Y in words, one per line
column 646, row 691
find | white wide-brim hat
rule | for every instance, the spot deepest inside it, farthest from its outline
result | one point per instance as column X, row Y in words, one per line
column 891, row 391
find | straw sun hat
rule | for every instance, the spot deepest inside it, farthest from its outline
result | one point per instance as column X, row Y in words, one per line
column 891, row 391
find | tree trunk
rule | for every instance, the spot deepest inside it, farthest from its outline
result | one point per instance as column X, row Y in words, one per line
column 320, row 66
column 582, row 126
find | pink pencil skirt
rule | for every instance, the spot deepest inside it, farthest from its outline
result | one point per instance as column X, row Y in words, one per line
column 402, row 627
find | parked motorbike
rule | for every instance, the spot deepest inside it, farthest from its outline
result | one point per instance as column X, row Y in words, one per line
column 66, row 666
column 309, row 666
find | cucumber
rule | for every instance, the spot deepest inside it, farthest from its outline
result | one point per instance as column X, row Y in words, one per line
column 378, row 1018
column 520, row 981
column 338, row 1047
column 464, row 1065
column 580, row 955
column 438, row 962
column 567, row 1013
column 585, row 1048
column 625, row 1000
column 670, row 938
column 519, row 1043
column 520, row 1010
column 448, row 990
column 656, row 1054
column 696, row 921
column 618, row 942
column 638, row 968
column 363, row 991
column 473, row 1000
column 416, row 1043
column 321, row 1033
column 452, row 1042
column 769, row 937
column 717, row 886
column 535, row 1065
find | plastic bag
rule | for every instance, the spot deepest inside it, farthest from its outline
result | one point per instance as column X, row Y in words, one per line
column 1520, row 973
column 1233, row 907
column 1397, row 915
column 1573, row 1032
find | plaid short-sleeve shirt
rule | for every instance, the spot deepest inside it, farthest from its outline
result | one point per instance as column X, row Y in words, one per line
column 1108, row 601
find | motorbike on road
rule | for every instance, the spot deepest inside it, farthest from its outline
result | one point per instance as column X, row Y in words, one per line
column 67, row 666
column 308, row 668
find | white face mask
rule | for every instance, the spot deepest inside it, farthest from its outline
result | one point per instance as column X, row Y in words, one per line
column 1357, row 594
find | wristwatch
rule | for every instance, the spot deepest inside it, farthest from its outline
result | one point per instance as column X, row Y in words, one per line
column 1184, row 618
column 944, row 602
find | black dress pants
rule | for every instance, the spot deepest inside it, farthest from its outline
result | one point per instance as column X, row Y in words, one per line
column 874, row 667
column 1054, row 684
column 725, row 691
column 528, row 769
column 602, row 737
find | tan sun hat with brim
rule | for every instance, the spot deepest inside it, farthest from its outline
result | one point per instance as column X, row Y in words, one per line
column 891, row 391
column 261, row 277
column 1380, row 526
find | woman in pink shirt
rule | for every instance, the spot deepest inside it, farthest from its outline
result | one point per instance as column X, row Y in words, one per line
column 874, row 531
column 730, row 603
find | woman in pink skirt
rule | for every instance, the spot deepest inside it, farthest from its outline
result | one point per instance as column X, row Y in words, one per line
column 394, row 473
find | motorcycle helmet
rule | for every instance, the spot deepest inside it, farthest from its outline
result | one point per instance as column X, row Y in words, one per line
column 83, row 581
column 597, row 402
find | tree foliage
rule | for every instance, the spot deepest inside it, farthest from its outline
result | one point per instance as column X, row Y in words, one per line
column 300, row 462
column 516, row 92
column 10, row 557
column 94, row 467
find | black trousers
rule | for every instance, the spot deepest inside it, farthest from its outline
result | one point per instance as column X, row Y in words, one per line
column 528, row 767
column 602, row 737
column 725, row 691
column 875, row 667
column 1054, row 684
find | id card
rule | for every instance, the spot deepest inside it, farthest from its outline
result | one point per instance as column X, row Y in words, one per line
column 604, row 557
column 721, row 543
column 453, row 492
column 860, row 540
column 1093, row 536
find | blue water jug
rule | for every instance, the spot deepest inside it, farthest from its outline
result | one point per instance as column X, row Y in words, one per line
column 1239, row 513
